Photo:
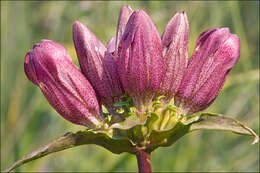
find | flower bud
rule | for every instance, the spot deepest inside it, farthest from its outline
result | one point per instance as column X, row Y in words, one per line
column 216, row 53
column 175, row 51
column 140, row 63
column 49, row 66
column 100, row 71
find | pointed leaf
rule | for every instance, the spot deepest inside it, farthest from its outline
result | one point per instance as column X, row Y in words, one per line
column 208, row 121
column 70, row 140
column 211, row 121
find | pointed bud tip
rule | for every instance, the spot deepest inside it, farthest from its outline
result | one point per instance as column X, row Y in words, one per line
column 124, row 16
column 224, row 30
column 182, row 13
column 82, row 32
column 178, row 26
column 49, row 44
column 141, row 12
column 126, row 7
column 179, row 14
column 77, row 25
column 43, row 41
column 217, row 33
column 232, row 45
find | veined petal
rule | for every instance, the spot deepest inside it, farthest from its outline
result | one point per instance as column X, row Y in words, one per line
column 98, row 71
column 225, row 58
column 110, row 66
column 49, row 66
column 175, row 50
column 124, row 15
column 216, row 53
column 202, row 57
column 111, row 45
column 140, row 60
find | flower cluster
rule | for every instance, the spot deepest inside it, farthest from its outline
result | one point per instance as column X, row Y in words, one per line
column 138, row 63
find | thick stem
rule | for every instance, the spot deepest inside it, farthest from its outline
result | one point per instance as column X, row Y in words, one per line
column 143, row 160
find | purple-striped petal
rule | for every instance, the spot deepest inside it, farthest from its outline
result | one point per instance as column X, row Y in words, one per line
column 49, row 66
column 110, row 66
column 111, row 45
column 124, row 15
column 213, row 80
column 99, row 71
column 175, row 50
column 202, row 56
column 140, row 56
column 216, row 53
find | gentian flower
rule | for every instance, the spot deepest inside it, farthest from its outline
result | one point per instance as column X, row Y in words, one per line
column 175, row 53
column 140, row 61
column 141, row 64
column 196, row 85
column 146, row 81
column 216, row 52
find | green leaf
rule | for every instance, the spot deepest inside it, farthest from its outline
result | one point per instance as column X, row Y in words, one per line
column 207, row 121
column 70, row 140
column 211, row 121
column 116, row 139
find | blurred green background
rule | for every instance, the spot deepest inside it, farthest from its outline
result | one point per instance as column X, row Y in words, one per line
column 28, row 121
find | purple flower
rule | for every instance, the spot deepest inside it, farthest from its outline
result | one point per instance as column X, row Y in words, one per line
column 215, row 54
column 140, row 61
column 132, row 63
column 98, row 64
column 146, row 82
column 49, row 66
column 175, row 51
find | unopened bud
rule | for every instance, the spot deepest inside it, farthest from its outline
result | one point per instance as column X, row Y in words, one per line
column 49, row 66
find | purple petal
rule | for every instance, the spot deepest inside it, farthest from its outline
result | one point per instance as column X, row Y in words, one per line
column 175, row 45
column 124, row 15
column 98, row 71
column 202, row 57
column 227, row 56
column 49, row 66
column 112, row 74
column 140, row 55
column 111, row 45
column 211, row 71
